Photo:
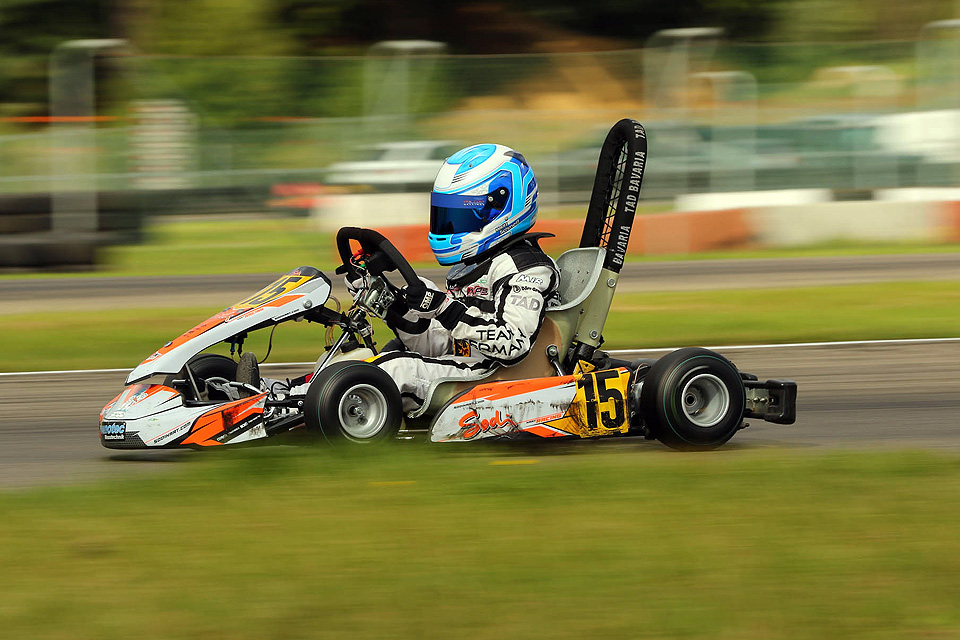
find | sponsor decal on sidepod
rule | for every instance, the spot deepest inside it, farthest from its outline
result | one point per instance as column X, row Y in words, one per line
column 471, row 425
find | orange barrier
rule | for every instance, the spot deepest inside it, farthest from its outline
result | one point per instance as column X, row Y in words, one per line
column 660, row 234
column 300, row 195
column 567, row 234
column 951, row 219
column 298, row 189
column 712, row 230
column 690, row 232
column 53, row 119
column 411, row 240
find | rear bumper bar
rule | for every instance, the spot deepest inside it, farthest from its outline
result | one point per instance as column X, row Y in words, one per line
column 773, row 401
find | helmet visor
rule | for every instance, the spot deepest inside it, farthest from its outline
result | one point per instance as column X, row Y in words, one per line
column 451, row 213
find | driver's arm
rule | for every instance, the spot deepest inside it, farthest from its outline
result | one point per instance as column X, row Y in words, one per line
column 506, row 334
column 423, row 335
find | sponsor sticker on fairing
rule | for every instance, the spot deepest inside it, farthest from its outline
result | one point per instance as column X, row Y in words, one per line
column 471, row 424
column 172, row 433
column 113, row 430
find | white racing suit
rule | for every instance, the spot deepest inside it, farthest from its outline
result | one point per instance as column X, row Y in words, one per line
column 491, row 316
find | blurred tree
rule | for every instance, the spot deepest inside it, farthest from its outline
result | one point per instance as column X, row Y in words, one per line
column 834, row 20
column 636, row 20
column 771, row 20
column 29, row 29
column 209, row 28
column 36, row 26
column 318, row 26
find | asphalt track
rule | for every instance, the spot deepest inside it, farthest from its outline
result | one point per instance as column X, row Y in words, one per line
column 24, row 295
column 850, row 396
column 859, row 396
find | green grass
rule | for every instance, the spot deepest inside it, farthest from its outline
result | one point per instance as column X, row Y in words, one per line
column 222, row 246
column 837, row 248
column 212, row 245
column 280, row 244
column 848, row 312
column 123, row 337
column 627, row 541
column 231, row 244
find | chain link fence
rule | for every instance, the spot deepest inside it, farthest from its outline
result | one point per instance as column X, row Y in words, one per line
column 195, row 135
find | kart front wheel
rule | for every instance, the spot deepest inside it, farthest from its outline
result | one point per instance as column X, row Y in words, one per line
column 353, row 403
column 693, row 399
column 203, row 367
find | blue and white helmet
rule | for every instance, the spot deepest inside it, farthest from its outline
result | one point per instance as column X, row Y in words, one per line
column 483, row 195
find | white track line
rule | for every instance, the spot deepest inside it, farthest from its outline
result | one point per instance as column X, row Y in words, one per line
column 71, row 371
column 613, row 352
column 785, row 345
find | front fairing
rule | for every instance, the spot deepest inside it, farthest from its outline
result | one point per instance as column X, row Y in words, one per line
column 147, row 416
column 291, row 296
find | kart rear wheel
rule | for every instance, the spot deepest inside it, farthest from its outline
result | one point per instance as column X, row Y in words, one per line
column 693, row 399
column 204, row 366
column 353, row 403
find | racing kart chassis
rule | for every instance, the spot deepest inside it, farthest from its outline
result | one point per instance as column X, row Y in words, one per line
column 566, row 386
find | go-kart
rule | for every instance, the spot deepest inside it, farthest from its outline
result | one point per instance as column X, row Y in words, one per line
column 566, row 387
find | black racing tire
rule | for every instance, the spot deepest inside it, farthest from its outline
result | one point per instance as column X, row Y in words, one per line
column 353, row 404
column 693, row 399
column 204, row 366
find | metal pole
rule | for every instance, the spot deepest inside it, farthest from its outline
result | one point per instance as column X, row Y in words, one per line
column 724, row 85
column 926, row 54
column 671, row 50
column 73, row 141
column 387, row 77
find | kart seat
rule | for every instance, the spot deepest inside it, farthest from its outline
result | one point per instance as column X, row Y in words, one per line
column 580, row 271
column 579, row 275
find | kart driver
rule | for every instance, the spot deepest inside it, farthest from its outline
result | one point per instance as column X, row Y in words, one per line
column 483, row 203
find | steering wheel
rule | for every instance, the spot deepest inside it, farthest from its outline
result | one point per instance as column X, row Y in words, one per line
column 381, row 255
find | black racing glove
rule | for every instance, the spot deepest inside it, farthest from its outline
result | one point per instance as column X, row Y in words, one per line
column 423, row 299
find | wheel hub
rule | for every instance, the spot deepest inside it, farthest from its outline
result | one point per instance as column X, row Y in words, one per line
column 706, row 400
column 355, row 408
column 362, row 411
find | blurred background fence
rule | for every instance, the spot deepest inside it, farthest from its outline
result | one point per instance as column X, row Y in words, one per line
column 153, row 134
